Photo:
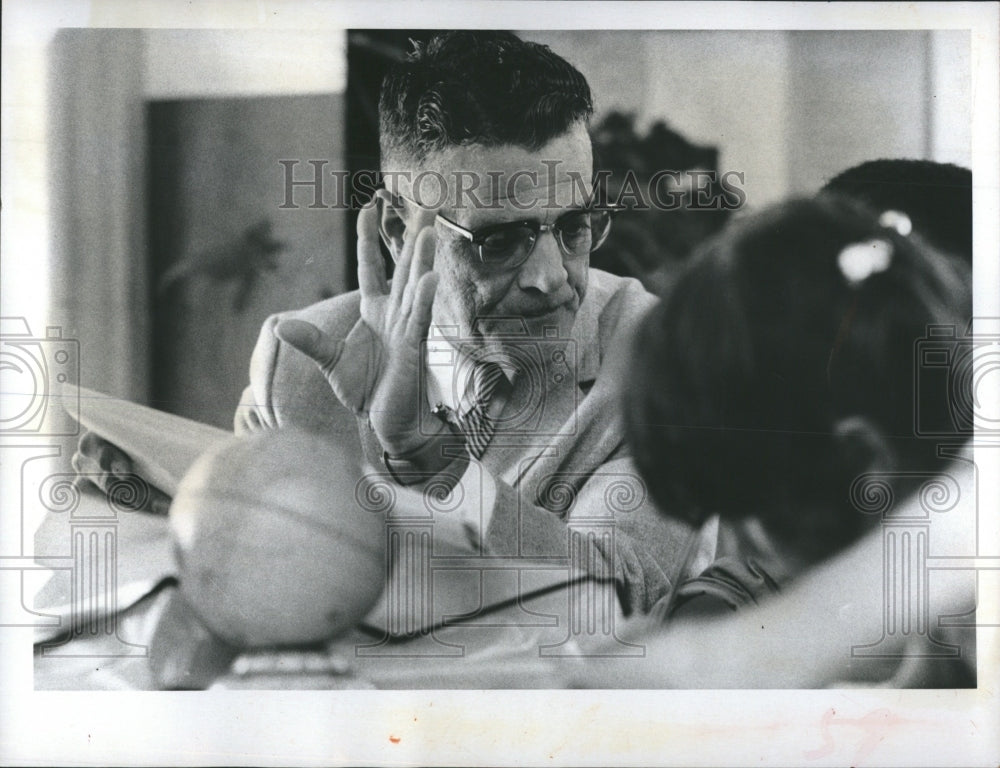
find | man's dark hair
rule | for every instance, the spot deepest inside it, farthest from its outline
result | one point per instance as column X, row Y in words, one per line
column 763, row 346
column 475, row 87
column 936, row 196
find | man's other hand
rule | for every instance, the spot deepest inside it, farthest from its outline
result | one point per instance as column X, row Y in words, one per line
column 98, row 461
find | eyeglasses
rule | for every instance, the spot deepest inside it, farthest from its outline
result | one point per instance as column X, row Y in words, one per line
column 508, row 245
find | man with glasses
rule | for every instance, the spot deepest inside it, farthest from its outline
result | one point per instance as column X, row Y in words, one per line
column 494, row 343
column 492, row 363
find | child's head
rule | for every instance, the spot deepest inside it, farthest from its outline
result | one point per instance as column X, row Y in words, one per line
column 936, row 196
column 781, row 366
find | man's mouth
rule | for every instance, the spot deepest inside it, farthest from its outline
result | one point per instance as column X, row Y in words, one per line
column 543, row 313
column 535, row 313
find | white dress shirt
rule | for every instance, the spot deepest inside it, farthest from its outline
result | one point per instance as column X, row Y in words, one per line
column 447, row 379
column 447, row 384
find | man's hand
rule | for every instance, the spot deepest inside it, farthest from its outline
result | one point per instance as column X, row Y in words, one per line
column 376, row 369
column 103, row 464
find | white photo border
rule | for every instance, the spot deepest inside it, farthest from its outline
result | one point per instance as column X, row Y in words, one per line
column 570, row 727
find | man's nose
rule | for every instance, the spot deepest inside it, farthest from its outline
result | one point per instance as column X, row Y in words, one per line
column 544, row 270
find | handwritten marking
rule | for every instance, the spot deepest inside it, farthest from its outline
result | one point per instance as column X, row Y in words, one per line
column 876, row 726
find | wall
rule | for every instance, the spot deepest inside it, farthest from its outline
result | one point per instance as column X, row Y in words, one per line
column 789, row 108
column 854, row 96
column 191, row 63
column 99, row 81
column 951, row 92
column 97, row 264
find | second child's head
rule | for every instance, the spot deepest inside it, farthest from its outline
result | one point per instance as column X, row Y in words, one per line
column 780, row 367
column 937, row 197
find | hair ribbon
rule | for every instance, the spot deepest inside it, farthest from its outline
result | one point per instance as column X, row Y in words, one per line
column 859, row 261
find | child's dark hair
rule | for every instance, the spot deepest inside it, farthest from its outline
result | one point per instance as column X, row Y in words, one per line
column 764, row 345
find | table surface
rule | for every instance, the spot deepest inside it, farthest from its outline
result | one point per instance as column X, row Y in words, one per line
column 494, row 624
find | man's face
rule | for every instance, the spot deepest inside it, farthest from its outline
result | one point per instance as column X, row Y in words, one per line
column 507, row 184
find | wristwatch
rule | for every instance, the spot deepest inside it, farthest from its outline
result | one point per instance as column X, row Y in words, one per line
column 426, row 461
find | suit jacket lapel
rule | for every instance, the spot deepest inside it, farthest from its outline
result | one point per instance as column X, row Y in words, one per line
column 545, row 403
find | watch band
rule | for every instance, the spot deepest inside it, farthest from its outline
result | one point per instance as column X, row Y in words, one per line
column 411, row 468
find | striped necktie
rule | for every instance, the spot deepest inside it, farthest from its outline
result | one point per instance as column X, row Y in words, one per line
column 477, row 424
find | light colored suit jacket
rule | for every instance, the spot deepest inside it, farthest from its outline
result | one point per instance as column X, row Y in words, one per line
column 565, row 464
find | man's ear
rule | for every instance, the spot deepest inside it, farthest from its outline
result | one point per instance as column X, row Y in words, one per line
column 391, row 225
column 862, row 446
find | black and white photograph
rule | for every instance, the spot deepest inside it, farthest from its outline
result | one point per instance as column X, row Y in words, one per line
column 500, row 383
